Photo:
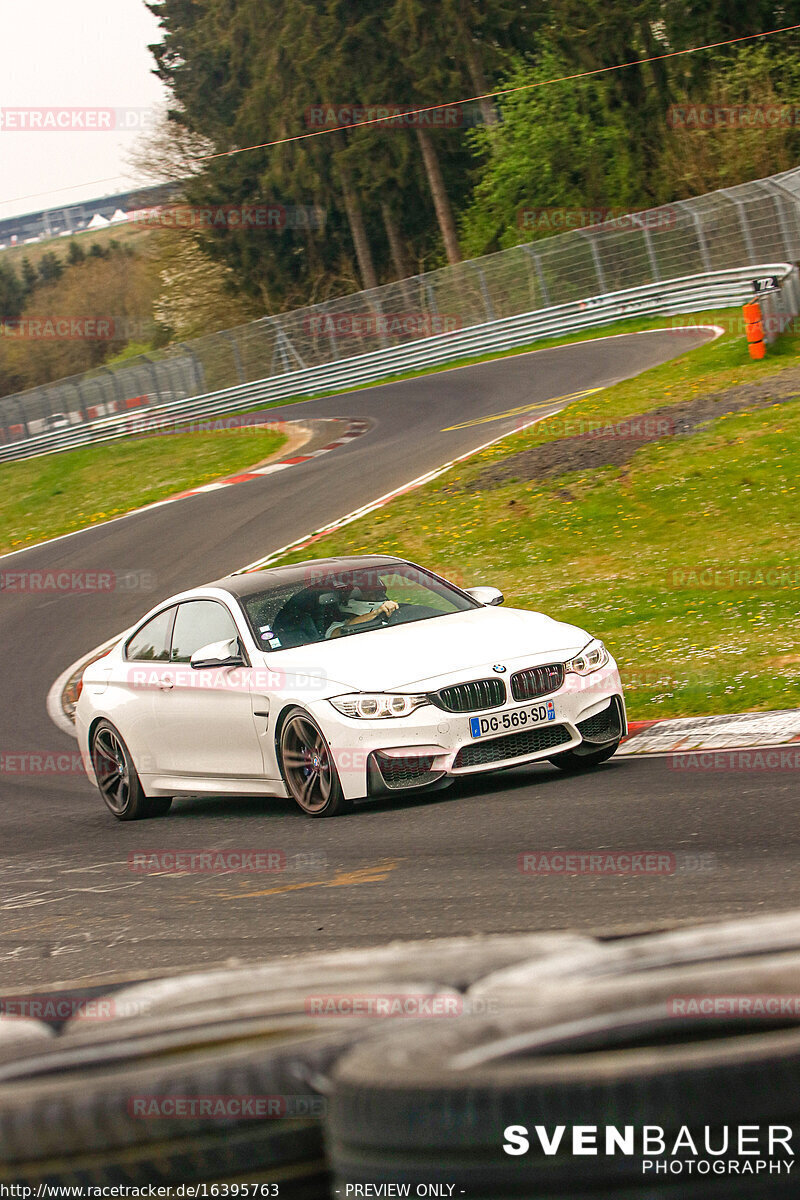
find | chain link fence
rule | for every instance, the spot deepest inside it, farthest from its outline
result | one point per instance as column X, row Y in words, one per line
column 754, row 223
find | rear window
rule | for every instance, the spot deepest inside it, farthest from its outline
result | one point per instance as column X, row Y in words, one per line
column 152, row 641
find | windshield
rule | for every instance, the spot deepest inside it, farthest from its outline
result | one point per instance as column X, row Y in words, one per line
column 325, row 606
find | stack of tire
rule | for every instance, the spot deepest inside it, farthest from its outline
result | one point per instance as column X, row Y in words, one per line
column 125, row 1099
column 549, row 1030
column 622, row 1038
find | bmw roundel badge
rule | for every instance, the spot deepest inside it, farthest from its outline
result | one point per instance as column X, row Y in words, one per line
column 499, row 668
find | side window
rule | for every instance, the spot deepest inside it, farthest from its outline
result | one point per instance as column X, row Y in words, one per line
column 198, row 623
column 152, row 640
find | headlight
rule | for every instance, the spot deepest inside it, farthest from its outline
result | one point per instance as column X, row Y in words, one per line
column 372, row 705
column 591, row 659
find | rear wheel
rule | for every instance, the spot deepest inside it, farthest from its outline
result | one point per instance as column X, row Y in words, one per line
column 309, row 769
column 117, row 779
column 570, row 760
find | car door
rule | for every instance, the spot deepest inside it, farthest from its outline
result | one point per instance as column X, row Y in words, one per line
column 205, row 716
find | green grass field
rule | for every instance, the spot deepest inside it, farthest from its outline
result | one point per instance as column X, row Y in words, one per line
column 684, row 560
column 43, row 497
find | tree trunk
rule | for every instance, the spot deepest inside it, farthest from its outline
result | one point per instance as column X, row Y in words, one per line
column 479, row 81
column 441, row 201
column 358, row 231
column 396, row 248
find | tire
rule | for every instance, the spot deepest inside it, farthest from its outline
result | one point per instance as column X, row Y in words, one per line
column 81, row 1125
column 21, row 1036
column 67, row 1111
column 308, row 769
column 572, row 761
column 432, row 1105
column 448, row 962
column 634, row 959
column 118, row 780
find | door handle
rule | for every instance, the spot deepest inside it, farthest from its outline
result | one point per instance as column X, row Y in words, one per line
column 166, row 683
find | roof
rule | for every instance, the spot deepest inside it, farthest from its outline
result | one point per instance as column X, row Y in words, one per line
column 302, row 572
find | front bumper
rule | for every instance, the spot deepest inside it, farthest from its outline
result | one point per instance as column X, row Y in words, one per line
column 430, row 747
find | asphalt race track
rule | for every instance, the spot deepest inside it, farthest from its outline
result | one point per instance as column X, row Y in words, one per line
column 413, row 867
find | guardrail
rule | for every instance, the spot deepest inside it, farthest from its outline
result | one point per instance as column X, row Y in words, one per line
column 691, row 293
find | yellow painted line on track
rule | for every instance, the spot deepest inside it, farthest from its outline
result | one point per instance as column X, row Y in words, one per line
column 524, row 408
column 376, row 873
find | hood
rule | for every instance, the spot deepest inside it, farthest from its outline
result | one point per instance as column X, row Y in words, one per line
column 455, row 647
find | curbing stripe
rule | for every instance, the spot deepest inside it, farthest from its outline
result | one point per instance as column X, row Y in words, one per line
column 734, row 731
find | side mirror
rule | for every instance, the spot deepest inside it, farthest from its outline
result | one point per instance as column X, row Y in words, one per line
column 486, row 595
column 218, row 654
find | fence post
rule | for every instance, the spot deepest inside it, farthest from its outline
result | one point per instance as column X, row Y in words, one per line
column 598, row 266
column 648, row 243
column 487, row 299
column 237, row 356
column 740, row 208
column 537, row 262
column 699, row 231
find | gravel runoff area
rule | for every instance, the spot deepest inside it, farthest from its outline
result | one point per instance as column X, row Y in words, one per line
column 601, row 445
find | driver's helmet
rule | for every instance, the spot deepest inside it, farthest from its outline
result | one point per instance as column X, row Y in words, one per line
column 365, row 598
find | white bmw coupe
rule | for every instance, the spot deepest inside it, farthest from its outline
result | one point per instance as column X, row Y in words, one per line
column 339, row 679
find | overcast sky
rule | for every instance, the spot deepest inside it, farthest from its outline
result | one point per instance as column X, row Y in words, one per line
column 90, row 54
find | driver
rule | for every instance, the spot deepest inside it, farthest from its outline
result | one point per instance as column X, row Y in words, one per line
column 363, row 605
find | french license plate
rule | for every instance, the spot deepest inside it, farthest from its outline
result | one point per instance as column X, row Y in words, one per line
column 521, row 718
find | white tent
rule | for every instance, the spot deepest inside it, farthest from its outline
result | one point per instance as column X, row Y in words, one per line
column 98, row 222
column 118, row 216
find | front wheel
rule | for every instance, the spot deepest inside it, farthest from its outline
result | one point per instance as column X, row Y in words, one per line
column 308, row 767
column 117, row 779
column 570, row 761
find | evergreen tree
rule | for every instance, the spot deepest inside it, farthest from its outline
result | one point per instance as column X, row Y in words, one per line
column 12, row 292
column 50, row 268
column 30, row 277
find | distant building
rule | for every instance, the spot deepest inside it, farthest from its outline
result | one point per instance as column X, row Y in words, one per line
column 73, row 218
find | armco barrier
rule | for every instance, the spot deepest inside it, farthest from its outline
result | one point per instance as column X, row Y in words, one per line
column 742, row 226
column 693, row 293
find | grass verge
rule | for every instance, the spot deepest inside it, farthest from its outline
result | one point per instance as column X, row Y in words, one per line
column 43, row 497
column 684, row 559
